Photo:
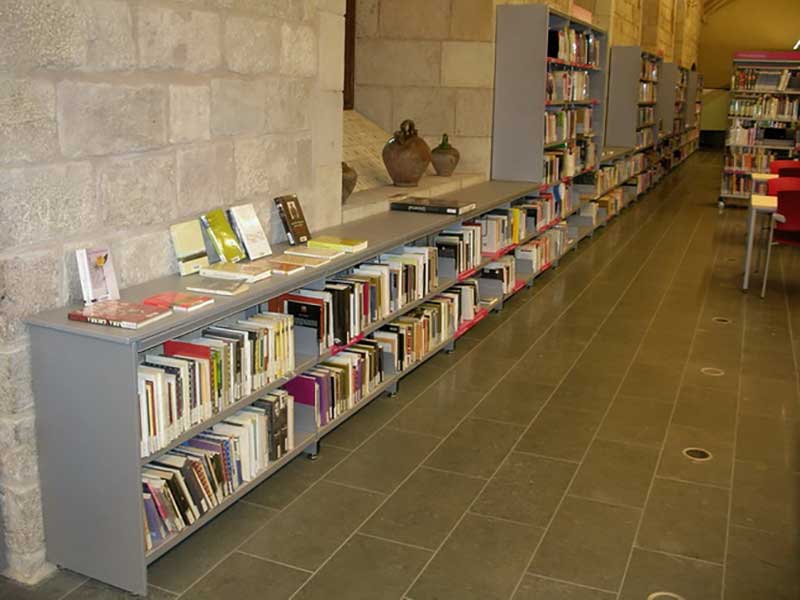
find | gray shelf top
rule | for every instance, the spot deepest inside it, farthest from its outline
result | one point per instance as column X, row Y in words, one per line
column 383, row 232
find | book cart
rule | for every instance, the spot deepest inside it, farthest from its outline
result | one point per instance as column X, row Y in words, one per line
column 763, row 118
column 87, row 396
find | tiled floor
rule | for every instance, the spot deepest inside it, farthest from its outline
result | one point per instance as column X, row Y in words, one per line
column 543, row 459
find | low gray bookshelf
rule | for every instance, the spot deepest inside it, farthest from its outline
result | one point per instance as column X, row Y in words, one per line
column 85, row 385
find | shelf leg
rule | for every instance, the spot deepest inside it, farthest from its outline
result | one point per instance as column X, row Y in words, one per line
column 312, row 450
column 393, row 389
column 450, row 347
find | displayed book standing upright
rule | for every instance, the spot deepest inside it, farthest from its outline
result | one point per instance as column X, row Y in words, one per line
column 549, row 96
column 93, row 453
column 763, row 118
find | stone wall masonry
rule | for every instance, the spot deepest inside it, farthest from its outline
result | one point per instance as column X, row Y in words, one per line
column 119, row 118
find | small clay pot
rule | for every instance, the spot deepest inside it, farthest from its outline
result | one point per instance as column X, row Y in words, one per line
column 445, row 158
column 406, row 156
column 349, row 180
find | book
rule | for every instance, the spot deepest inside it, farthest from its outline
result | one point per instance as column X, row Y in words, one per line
column 180, row 301
column 222, row 287
column 250, row 232
column 338, row 243
column 328, row 253
column 284, row 268
column 248, row 272
column 294, row 222
column 190, row 249
column 97, row 275
column 446, row 206
column 115, row 313
column 219, row 231
column 305, row 261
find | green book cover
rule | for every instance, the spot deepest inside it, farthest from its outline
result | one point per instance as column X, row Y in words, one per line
column 222, row 236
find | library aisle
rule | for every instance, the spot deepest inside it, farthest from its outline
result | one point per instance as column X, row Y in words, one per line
column 544, row 458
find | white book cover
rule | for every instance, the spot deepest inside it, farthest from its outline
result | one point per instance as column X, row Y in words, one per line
column 251, row 233
column 97, row 275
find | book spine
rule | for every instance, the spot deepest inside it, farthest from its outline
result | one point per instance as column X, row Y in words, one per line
column 102, row 321
column 441, row 210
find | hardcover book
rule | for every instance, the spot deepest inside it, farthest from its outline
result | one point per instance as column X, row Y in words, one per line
column 190, row 248
column 115, row 313
column 446, row 206
column 180, row 301
column 294, row 222
column 97, row 275
column 222, row 237
column 251, row 233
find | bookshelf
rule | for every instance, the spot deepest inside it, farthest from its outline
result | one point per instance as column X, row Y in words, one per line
column 87, row 395
column 763, row 116
column 538, row 80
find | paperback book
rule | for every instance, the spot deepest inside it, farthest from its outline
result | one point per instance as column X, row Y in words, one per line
column 250, row 232
column 115, row 313
column 221, row 287
column 224, row 240
column 294, row 222
column 190, row 248
column 447, row 206
column 338, row 243
column 97, row 275
column 179, row 301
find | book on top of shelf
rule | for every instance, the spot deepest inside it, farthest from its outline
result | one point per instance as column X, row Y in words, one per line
column 328, row 253
column 280, row 267
column 338, row 243
column 249, row 272
column 224, row 240
column 222, row 287
column 249, row 230
column 189, row 246
column 115, row 313
column 293, row 219
column 97, row 275
column 180, row 301
column 304, row 261
column 448, row 206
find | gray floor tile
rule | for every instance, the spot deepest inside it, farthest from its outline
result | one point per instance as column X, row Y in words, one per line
column 582, row 397
column 425, row 508
column 587, row 543
column 482, row 560
column 53, row 588
column 380, row 464
column 94, row 590
column 418, row 380
column 616, row 473
column 652, row 381
column 560, row 433
column 762, row 565
column 353, row 432
column 248, row 578
column 676, row 465
column 765, row 497
column 636, row 420
column 366, row 569
column 477, row 372
column 515, row 399
column 686, row 519
column 538, row 588
column 296, row 477
column 776, row 398
column 650, row 572
column 179, row 568
column 527, row 489
column 476, row 447
column 763, row 440
column 445, row 360
column 707, row 409
column 437, row 410
column 311, row 529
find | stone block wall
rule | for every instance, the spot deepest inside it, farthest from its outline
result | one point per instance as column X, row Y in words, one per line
column 121, row 117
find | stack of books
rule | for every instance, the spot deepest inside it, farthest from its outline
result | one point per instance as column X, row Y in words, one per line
column 461, row 244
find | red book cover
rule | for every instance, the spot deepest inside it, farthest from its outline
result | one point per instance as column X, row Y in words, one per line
column 115, row 313
column 182, row 301
column 178, row 348
column 303, row 389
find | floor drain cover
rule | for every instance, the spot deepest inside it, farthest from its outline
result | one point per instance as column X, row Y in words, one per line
column 712, row 371
column 664, row 596
column 697, row 455
column 721, row 320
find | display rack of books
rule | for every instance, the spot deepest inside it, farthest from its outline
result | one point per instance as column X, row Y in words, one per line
column 763, row 117
column 549, row 96
column 145, row 435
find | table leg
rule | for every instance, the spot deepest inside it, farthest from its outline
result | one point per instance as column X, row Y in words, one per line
column 748, row 256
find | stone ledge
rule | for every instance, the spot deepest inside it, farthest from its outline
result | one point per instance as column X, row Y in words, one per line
column 370, row 202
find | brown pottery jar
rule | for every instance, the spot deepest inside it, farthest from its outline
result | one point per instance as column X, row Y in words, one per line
column 406, row 156
column 445, row 158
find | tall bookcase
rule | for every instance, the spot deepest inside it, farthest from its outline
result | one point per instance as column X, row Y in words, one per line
column 763, row 117
column 528, row 72
column 633, row 88
column 86, row 391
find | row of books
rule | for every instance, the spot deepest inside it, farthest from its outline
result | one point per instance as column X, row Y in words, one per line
column 610, row 175
column 569, row 161
column 644, row 137
column 337, row 384
column 574, row 46
column 765, row 80
column 647, row 91
column 647, row 115
column 502, row 270
column 649, row 69
column 766, row 107
column 736, row 183
column 749, row 160
column 610, row 203
column 184, row 484
column 560, row 125
column 191, row 380
column 462, row 244
column 567, row 86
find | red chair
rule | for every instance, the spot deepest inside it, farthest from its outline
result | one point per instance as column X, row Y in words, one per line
column 776, row 166
column 789, row 171
column 785, row 223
